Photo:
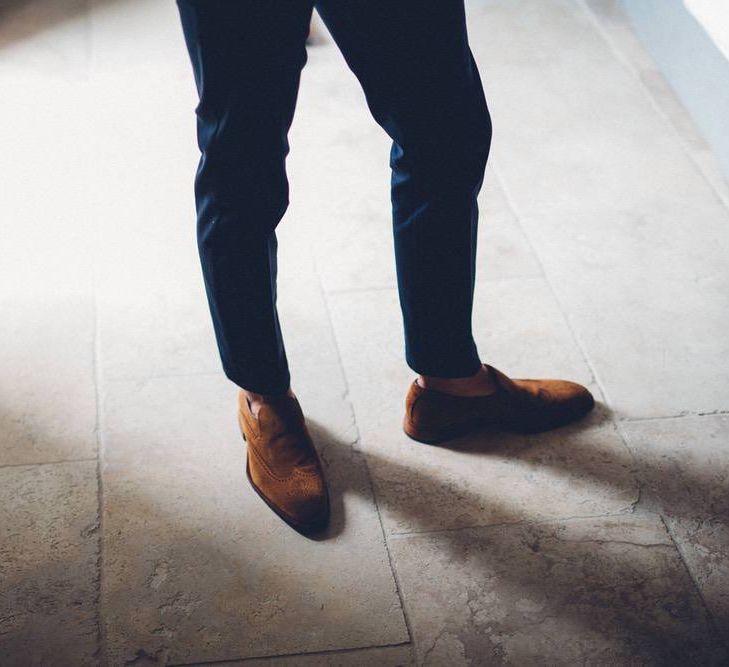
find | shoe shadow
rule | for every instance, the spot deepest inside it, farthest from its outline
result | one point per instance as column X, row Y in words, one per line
column 637, row 597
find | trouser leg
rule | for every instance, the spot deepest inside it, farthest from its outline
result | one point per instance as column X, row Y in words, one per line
column 422, row 86
column 247, row 57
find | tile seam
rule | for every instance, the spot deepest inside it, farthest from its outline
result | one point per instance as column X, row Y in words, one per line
column 677, row 546
column 357, row 438
column 101, row 630
column 47, row 463
column 713, row 621
column 275, row 656
column 526, row 522
column 683, row 415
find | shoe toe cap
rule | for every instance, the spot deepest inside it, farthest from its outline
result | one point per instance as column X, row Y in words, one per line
column 554, row 403
column 308, row 503
column 570, row 400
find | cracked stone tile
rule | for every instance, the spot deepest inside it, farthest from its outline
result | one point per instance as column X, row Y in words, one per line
column 198, row 568
column 629, row 232
column 581, row 470
column 390, row 656
column 47, row 382
column 589, row 591
column 48, row 564
column 685, row 467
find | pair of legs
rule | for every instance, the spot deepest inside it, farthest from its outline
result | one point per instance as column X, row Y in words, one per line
column 422, row 87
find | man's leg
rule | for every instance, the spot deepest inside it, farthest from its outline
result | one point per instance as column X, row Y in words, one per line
column 422, row 86
column 247, row 57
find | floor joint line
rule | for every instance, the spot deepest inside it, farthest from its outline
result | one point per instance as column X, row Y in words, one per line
column 393, row 570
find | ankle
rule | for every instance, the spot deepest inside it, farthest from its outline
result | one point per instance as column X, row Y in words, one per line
column 480, row 383
column 256, row 400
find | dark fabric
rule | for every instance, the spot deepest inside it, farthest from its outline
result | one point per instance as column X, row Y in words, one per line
column 422, row 86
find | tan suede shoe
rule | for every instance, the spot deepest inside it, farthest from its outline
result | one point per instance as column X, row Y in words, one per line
column 524, row 406
column 282, row 463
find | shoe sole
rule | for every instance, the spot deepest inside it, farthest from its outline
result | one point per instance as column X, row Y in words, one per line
column 305, row 529
column 436, row 439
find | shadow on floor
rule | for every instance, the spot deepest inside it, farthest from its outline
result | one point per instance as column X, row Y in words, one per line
column 595, row 586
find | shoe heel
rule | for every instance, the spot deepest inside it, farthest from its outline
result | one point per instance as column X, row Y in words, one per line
column 424, row 437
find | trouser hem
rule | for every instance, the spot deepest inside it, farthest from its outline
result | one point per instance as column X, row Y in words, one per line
column 271, row 385
column 445, row 368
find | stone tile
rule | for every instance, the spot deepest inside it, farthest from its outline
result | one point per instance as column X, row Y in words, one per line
column 484, row 478
column 390, row 656
column 48, row 559
column 173, row 509
column 157, row 333
column 629, row 232
column 685, row 467
column 503, row 250
column 47, row 380
column 588, row 591
column 198, row 568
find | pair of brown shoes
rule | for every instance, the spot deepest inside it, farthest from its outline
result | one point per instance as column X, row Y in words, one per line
column 285, row 470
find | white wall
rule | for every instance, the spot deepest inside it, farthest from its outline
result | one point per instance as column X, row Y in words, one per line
column 689, row 40
column 713, row 16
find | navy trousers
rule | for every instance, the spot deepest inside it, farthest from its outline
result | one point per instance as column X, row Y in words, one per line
column 422, row 87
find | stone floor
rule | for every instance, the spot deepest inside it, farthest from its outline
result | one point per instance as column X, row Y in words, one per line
column 128, row 533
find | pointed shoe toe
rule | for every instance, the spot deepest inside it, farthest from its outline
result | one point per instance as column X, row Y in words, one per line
column 548, row 404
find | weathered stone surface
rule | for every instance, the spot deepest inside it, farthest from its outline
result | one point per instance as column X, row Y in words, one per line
column 608, row 591
column 580, row 470
column 198, row 567
column 684, row 464
column 48, row 565
column 589, row 185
